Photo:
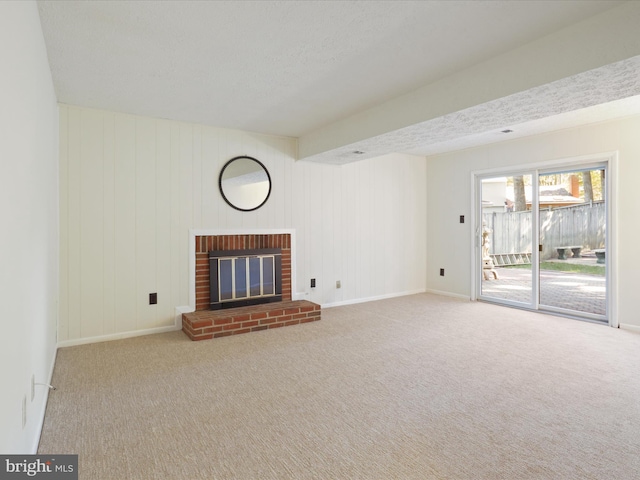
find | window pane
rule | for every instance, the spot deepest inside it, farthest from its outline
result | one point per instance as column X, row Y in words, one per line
column 267, row 275
column 225, row 282
column 254, row 276
column 507, row 238
column 241, row 277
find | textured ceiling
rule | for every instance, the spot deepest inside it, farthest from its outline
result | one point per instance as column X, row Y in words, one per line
column 288, row 67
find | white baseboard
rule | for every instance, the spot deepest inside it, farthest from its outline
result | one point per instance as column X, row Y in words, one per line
column 448, row 294
column 629, row 327
column 118, row 336
column 186, row 309
column 371, row 299
column 43, row 407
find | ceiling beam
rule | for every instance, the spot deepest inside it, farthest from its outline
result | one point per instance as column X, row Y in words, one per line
column 596, row 42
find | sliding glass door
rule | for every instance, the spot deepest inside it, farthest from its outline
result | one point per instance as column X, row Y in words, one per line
column 506, row 240
column 572, row 262
column 541, row 240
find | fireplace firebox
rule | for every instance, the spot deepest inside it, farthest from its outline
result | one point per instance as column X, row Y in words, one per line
column 239, row 278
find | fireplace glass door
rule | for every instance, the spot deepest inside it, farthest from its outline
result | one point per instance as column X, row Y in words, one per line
column 246, row 277
column 240, row 277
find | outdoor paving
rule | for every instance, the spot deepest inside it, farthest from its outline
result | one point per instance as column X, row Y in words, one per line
column 581, row 292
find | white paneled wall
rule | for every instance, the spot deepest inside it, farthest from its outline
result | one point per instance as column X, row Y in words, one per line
column 132, row 187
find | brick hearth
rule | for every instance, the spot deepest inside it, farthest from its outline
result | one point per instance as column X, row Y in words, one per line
column 205, row 324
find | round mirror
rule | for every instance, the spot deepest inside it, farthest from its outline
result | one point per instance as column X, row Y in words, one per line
column 245, row 183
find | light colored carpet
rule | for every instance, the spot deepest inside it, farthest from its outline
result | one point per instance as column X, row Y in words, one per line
column 418, row 387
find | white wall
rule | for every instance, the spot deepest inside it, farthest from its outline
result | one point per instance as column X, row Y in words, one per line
column 132, row 187
column 29, row 215
column 448, row 244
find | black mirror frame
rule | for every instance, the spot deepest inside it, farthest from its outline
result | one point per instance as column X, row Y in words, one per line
column 222, row 191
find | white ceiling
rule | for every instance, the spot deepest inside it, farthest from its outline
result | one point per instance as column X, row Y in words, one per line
column 288, row 67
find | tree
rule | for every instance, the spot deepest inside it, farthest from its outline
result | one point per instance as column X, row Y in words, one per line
column 586, row 185
column 518, row 193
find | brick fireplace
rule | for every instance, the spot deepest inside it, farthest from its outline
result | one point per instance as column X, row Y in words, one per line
column 207, row 243
column 204, row 323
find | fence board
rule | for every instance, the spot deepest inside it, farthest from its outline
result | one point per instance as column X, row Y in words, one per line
column 565, row 226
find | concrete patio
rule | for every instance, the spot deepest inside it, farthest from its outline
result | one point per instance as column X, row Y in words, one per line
column 581, row 292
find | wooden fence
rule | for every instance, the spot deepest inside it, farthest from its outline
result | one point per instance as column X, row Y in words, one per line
column 564, row 226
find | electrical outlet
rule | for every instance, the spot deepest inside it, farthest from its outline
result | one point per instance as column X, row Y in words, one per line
column 24, row 412
column 442, row 272
column 313, row 283
column 338, row 285
column 153, row 299
column 33, row 387
column 461, row 218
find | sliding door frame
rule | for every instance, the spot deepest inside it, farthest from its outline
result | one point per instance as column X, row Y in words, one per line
column 611, row 161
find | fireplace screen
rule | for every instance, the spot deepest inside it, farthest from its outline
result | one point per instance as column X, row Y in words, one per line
column 245, row 277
